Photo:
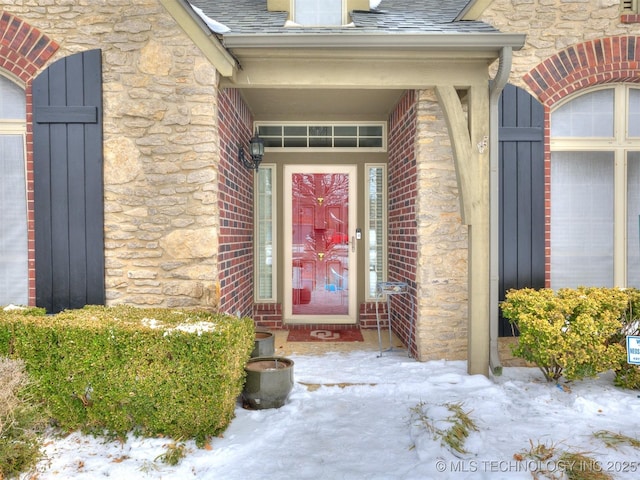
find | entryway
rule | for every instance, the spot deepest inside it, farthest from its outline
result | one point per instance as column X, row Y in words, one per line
column 320, row 244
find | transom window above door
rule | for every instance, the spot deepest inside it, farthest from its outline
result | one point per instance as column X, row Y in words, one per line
column 321, row 136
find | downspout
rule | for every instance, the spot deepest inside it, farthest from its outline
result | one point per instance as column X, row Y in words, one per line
column 496, row 87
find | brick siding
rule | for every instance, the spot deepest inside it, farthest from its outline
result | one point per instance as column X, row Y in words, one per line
column 603, row 60
column 268, row 315
column 402, row 236
column 235, row 257
column 23, row 48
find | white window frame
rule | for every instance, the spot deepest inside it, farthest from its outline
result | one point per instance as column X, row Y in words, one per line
column 274, row 235
column 371, row 292
column 619, row 144
column 18, row 127
column 382, row 125
column 343, row 15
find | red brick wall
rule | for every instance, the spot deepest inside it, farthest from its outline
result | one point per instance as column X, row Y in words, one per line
column 596, row 62
column 24, row 50
column 235, row 254
column 630, row 18
column 268, row 315
column 369, row 317
column 402, row 234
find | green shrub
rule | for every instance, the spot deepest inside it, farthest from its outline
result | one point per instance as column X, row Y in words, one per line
column 628, row 376
column 20, row 421
column 571, row 332
column 114, row 370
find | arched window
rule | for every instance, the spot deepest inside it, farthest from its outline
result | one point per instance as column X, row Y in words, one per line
column 595, row 189
column 13, row 196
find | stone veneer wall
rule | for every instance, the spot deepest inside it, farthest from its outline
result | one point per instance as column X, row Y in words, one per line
column 553, row 25
column 160, row 146
column 428, row 245
column 442, row 268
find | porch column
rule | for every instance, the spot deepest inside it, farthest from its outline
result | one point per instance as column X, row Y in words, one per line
column 470, row 143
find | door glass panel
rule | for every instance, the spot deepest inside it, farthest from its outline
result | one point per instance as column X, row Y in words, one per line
column 376, row 228
column 320, row 243
column 265, row 233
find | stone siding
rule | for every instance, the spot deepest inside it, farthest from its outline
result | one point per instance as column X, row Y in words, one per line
column 553, row 25
column 442, row 267
column 428, row 245
column 160, row 146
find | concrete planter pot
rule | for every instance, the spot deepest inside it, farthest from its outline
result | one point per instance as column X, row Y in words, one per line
column 264, row 344
column 269, row 382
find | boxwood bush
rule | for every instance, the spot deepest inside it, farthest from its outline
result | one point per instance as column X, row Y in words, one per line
column 21, row 421
column 114, row 370
column 575, row 333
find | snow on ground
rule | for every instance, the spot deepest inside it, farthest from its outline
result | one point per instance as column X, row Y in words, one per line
column 359, row 425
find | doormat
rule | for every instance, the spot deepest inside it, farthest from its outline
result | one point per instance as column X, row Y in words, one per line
column 321, row 335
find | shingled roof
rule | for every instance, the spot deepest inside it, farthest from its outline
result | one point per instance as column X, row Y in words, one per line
column 245, row 17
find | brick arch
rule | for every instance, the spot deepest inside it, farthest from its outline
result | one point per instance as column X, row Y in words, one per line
column 599, row 61
column 23, row 49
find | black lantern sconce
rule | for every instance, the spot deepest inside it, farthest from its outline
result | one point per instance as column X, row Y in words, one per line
column 256, row 150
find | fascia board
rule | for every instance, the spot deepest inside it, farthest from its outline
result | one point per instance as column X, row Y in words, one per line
column 473, row 10
column 429, row 41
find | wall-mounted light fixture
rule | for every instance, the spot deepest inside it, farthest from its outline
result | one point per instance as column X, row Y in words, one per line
column 256, row 151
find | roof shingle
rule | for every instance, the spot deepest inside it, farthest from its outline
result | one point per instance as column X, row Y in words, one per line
column 390, row 17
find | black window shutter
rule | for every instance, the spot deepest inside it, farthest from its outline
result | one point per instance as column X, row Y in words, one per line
column 68, row 183
column 521, row 143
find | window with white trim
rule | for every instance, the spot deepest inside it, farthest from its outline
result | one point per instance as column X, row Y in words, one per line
column 343, row 137
column 265, row 235
column 376, row 231
column 318, row 12
column 13, row 195
column 595, row 189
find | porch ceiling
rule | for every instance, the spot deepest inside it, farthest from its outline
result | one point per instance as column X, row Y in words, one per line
column 320, row 104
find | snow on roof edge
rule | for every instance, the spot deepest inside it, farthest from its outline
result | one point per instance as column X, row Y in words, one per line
column 215, row 27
